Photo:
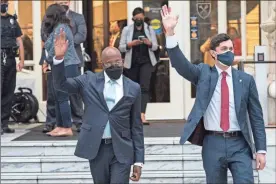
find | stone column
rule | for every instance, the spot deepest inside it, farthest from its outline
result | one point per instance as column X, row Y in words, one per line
column 269, row 27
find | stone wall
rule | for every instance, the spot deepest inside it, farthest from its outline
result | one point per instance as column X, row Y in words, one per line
column 269, row 27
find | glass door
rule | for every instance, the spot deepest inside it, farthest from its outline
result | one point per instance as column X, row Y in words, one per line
column 166, row 97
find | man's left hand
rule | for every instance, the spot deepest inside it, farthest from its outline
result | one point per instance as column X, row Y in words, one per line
column 20, row 66
column 136, row 174
column 61, row 45
column 260, row 161
column 146, row 41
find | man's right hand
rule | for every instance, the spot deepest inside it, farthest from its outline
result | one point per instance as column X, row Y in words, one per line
column 134, row 43
column 61, row 45
column 169, row 21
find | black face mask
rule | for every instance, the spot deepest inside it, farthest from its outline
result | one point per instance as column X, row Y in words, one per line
column 114, row 72
column 4, row 8
column 138, row 22
column 66, row 7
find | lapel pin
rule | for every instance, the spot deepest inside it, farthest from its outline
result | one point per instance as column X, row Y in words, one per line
column 240, row 80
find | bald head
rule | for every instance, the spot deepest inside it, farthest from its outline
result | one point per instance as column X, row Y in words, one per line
column 111, row 54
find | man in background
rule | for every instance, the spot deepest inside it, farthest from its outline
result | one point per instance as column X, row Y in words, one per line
column 79, row 31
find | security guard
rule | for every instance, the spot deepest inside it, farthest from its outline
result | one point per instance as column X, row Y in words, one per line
column 10, row 42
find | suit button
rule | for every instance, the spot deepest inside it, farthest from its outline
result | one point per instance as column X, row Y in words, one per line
column 103, row 127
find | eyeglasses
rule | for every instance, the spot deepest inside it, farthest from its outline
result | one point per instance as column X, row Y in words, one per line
column 115, row 63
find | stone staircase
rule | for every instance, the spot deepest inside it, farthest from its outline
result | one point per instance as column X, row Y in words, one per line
column 54, row 162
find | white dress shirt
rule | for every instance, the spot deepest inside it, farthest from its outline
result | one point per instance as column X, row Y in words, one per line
column 119, row 91
column 212, row 114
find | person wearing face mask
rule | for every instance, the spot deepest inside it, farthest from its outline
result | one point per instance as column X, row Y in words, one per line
column 138, row 42
column 111, row 135
column 10, row 42
column 225, row 98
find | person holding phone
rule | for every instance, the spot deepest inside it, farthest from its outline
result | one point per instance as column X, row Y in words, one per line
column 138, row 42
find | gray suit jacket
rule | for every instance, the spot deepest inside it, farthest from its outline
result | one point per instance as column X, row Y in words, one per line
column 126, row 37
column 124, row 118
column 205, row 79
column 79, row 31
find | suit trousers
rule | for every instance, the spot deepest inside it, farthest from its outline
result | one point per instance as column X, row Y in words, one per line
column 8, row 83
column 141, row 73
column 51, row 111
column 220, row 154
column 106, row 169
column 76, row 101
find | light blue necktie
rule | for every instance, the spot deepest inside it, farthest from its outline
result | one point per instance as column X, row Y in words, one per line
column 110, row 101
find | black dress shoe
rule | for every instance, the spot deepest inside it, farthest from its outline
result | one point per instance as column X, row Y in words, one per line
column 48, row 128
column 8, row 130
column 78, row 126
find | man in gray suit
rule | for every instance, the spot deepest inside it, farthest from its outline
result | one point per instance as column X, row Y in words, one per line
column 79, row 30
column 111, row 135
column 218, row 120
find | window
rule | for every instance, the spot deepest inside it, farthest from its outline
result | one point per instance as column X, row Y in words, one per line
column 160, row 80
column 204, row 25
column 107, row 30
column 252, row 25
column 25, row 20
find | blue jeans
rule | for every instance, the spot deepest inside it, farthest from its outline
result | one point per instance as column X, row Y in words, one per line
column 63, row 109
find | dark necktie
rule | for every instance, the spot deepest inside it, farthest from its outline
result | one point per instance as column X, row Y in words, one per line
column 224, row 119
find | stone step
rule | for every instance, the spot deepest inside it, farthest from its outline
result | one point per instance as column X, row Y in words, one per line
column 188, row 177
column 153, row 146
column 48, row 164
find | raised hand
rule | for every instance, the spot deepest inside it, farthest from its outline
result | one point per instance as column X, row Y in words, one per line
column 61, row 45
column 169, row 21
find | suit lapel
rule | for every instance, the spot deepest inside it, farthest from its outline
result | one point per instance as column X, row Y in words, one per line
column 100, row 88
column 213, row 82
column 237, row 88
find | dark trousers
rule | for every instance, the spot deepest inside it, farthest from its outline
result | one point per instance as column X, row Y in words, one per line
column 59, row 112
column 51, row 106
column 142, row 75
column 8, row 83
column 76, row 101
column 106, row 169
column 221, row 153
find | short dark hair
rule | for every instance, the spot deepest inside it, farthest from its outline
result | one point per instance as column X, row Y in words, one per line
column 138, row 10
column 217, row 39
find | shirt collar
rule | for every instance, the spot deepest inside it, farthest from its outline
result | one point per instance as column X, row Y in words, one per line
column 118, row 81
column 229, row 70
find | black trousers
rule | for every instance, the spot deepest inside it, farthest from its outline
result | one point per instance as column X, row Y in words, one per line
column 141, row 74
column 8, row 82
column 76, row 103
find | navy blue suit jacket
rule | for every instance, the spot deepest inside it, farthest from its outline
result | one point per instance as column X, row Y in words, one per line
column 124, row 118
column 205, row 79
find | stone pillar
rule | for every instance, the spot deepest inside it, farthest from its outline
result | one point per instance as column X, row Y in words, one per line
column 269, row 27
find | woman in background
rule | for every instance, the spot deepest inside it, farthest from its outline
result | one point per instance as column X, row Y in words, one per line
column 138, row 42
column 56, row 20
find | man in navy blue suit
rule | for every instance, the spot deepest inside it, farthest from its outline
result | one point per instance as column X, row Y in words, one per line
column 111, row 135
column 218, row 121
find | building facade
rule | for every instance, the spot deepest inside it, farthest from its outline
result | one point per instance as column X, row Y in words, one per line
column 172, row 97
